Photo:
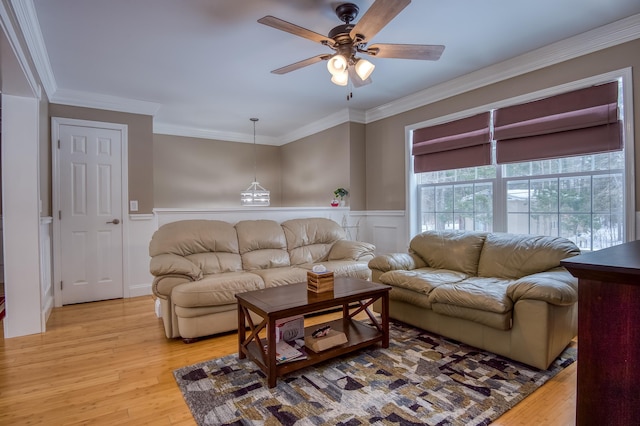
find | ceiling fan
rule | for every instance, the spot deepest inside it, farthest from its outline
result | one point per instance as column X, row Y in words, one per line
column 348, row 39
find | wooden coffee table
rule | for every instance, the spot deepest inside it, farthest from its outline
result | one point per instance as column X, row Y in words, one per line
column 275, row 303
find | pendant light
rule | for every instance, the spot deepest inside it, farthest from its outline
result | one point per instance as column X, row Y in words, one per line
column 254, row 195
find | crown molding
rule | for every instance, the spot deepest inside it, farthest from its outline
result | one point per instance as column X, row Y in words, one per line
column 610, row 35
column 100, row 101
column 335, row 119
column 332, row 120
column 192, row 132
column 25, row 12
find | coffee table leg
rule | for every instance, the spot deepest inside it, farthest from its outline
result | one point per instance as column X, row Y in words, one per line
column 241, row 332
column 385, row 320
column 271, row 353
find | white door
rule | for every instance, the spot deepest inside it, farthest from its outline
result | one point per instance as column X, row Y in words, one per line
column 90, row 213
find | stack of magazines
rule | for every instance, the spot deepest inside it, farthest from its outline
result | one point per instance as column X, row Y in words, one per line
column 290, row 351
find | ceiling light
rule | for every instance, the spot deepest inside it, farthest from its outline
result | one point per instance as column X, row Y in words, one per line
column 341, row 79
column 337, row 64
column 254, row 195
column 364, row 68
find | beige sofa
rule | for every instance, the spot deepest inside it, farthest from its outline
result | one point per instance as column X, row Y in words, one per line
column 504, row 293
column 199, row 266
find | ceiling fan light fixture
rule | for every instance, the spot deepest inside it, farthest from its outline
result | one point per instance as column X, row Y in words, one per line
column 337, row 64
column 364, row 68
column 341, row 79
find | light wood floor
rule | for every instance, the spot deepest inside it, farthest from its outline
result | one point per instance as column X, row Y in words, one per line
column 110, row 363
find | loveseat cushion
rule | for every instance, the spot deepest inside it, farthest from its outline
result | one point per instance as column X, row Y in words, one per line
column 310, row 240
column 393, row 261
column 485, row 294
column 217, row 289
column 422, row 280
column 556, row 286
column 262, row 244
column 453, row 250
column 513, row 256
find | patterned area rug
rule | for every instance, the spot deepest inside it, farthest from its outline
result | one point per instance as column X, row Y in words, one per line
column 420, row 379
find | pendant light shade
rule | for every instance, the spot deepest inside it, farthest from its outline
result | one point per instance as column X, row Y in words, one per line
column 255, row 195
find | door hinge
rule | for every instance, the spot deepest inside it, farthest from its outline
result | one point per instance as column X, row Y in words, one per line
column 59, row 214
column 58, row 143
column 61, row 285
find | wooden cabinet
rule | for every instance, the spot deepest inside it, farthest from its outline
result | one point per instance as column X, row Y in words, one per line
column 608, row 335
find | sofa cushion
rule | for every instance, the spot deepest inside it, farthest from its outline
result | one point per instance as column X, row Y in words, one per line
column 262, row 244
column 216, row 289
column 454, row 250
column 311, row 240
column 274, row 277
column 188, row 237
column 422, row 280
column 513, row 256
column 351, row 250
column 343, row 268
column 216, row 262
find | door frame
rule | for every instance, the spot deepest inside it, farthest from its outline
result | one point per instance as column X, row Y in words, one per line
column 56, row 122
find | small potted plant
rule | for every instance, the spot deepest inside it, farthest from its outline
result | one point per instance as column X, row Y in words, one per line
column 339, row 195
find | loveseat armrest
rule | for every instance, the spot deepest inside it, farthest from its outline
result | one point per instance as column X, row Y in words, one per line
column 172, row 264
column 555, row 286
column 396, row 261
column 351, row 250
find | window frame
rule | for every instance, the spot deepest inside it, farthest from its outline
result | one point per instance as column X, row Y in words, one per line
column 412, row 198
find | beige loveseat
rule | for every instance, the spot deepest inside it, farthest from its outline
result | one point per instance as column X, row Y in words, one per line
column 504, row 293
column 199, row 266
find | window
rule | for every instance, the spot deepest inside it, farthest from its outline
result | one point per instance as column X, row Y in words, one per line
column 582, row 198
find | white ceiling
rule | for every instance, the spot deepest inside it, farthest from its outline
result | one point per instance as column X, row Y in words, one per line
column 204, row 65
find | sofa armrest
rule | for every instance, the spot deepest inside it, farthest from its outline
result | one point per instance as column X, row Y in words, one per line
column 172, row 264
column 351, row 250
column 555, row 286
column 396, row 261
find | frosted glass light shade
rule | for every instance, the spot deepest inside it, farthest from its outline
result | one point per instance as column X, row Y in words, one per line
column 341, row 79
column 255, row 196
column 337, row 64
column 364, row 68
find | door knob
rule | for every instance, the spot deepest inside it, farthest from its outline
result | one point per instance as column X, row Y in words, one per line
column 115, row 221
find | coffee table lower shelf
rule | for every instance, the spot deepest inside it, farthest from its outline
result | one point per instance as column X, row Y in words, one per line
column 359, row 335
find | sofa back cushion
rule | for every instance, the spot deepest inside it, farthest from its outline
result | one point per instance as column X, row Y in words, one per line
column 310, row 240
column 513, row 256
column 262, row 244
column 453, row 250
column 210, row 244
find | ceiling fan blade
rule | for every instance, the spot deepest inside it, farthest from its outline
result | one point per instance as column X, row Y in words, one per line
column 301, row 64
column 428, row 52
column 356, row 80
column 294, row 29
column 377, row 16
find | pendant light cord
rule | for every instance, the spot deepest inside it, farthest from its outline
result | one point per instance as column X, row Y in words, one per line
column 255, row 155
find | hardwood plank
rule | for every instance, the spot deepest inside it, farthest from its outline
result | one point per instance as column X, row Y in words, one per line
column 109, row 363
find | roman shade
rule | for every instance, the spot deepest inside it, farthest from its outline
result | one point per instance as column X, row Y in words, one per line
column 581, row 122
column 453, row 145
